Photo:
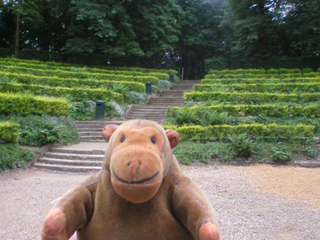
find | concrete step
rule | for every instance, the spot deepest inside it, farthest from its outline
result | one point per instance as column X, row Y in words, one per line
column 67, row 168
column 56, row 161
column 70, row 150
column 74, row 156
column 71, row 160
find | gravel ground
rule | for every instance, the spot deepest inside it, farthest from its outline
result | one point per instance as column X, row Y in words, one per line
column 252, row 203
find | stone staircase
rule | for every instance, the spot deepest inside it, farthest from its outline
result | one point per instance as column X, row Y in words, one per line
column 90, row 131
column 76, row 160
column 155, row 108
column 71, row 160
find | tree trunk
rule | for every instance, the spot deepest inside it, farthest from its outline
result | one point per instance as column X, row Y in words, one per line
column 17, row 38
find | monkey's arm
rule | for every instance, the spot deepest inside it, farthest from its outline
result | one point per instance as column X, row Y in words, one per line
column 71, row 212
column 194, row 210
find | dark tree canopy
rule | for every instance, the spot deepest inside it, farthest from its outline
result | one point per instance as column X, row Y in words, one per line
column 193, row 35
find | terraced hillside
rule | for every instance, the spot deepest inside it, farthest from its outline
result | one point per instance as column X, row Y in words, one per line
column 274, row 104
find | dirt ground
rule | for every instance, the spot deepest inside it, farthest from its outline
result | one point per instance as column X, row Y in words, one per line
column 290, row 182
column 251, row 202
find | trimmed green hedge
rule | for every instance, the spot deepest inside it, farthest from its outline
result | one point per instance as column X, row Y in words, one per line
column 311, row 111
column 256, row 130
column 257, row 76
column 27, row 104
column 70, row 82
column 261, row 80
column 74, row 94
column 9, row 132
column 265, row 87
column 81, row 75
column 69, row 66
column 248, row 97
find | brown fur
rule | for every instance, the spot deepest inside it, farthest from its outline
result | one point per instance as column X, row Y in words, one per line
column 140, row 193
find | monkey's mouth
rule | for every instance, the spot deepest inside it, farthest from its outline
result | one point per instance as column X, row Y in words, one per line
column 135, row 182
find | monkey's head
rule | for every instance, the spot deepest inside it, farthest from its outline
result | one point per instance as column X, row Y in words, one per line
column 138, row 156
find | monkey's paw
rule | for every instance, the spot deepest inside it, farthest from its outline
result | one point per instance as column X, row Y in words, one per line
column 54, row 227
column 209, row 231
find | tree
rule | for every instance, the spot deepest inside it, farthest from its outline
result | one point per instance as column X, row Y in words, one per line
column 124, row 29
column 201, row 37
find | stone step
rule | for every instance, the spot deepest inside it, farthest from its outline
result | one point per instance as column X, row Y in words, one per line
column 71, row 151
column 67, row 168
column 74, row 156
column 92, row 138
column 56, row 161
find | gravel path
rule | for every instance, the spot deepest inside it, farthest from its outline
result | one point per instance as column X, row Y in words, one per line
column 252, row 203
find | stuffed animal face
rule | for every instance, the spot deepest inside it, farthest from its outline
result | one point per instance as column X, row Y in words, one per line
column 137, row 158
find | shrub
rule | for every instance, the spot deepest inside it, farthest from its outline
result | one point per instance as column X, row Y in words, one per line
column 188, row 152
column 242, row 144
column 28, row 104
column 41, row 130
column 280, row 154
column 12, row 154
column 9, row 132
column 74, row 94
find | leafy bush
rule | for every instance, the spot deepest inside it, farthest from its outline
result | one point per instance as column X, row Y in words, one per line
column 12, row 154
column 28, row 104
column 41, row 130
column 280, row 154
column 189, row 152
column 9, row 132
column 83, row 111
column 74, row 94
column 269, row 131
column 137, row 98
column 242, row 145
column 248, row 97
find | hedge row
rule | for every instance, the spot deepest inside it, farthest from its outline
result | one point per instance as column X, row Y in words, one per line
column 310, row 111
column 248, row 97
column 241, row 76
column 31, row 67
column 273, row 131
column 72, row 82
column 82, row 75
column 260, row 87
column 261, row 80
column 25, row 104
column 9, row 132
column 74, row 94
column 70, row 66
column 260, row 71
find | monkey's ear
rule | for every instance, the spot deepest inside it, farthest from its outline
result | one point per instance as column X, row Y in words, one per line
column 173, row 137
column 108, row 131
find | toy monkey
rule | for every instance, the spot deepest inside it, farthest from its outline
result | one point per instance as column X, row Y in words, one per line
column 139, row 194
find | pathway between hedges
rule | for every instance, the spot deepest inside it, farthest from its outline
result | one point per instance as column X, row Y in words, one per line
column 252, row 203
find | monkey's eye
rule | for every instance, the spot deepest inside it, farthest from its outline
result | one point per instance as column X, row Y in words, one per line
column 153, row 140
column 122, row 138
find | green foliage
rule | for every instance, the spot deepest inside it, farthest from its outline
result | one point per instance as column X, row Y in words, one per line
column 188, row 152
column 219, row 113
column 248, row 97
column 280, row 154
column 12, row 154
column 83, row 111
column 53, row 81
column 264, row 131
column 242, row 145
column 41, row 130
column 9, row 132
column 74, row 94
column 28, row 104
column 260, row 87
